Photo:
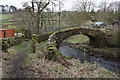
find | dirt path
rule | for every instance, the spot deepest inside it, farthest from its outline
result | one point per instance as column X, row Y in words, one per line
column 16, row 68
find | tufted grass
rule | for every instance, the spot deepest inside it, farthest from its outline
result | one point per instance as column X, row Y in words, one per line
column 77, row 39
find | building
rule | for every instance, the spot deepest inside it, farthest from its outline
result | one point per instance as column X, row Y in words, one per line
column 5, row 33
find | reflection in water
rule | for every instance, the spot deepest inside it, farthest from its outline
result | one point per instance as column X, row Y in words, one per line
column 66, row 50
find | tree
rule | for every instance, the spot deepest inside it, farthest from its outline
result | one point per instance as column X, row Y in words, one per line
column 83, row 5
column 107, row 12
column 34, row 12
column 13, row 8
column 81, row 12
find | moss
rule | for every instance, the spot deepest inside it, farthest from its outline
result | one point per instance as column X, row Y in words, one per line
column 4, row 45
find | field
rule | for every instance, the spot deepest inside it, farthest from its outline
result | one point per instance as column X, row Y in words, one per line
column 8, row 21
column 6, row 16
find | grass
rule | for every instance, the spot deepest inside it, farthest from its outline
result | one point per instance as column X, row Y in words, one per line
column 18, row 48
column 11, row 26
column 42, row 45
column 6, row 16
column 77, row 63
column 106, row 74
column 93, row 70
column 77, row 39
column 85, row 70
column 31, row 56
column 28, row 58
column 8, row 23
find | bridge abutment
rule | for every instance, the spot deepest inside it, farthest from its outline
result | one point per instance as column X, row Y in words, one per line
column 97, row 42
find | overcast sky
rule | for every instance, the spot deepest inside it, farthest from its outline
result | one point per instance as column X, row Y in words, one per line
column 67, row 3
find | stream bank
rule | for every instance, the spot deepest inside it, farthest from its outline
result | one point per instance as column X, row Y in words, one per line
column 76, row 53
column 77, row 47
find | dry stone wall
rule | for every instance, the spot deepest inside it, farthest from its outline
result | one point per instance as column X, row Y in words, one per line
column 12, row 41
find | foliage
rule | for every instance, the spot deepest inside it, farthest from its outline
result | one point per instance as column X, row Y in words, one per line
column 33, row 14
column 77, row 18
column 84, row 10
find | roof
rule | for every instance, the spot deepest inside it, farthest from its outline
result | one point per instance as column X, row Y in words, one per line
column 5, row 29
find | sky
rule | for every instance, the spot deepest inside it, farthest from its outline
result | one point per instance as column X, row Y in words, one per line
column 67, row 3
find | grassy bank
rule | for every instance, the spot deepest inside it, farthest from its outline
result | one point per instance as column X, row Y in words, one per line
column 36, row 66
column 79, row 41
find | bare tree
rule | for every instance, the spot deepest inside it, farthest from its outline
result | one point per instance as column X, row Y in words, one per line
column 107, row 11
column 83, row 5
column 34, row 13
column 81, row 12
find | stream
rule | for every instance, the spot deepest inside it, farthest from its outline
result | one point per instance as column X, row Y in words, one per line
column 69, row 51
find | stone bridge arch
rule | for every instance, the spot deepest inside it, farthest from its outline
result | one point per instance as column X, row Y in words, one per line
column 96, row 36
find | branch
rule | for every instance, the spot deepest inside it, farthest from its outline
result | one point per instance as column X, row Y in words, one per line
column 44, row 7
column 32, row 6
column 31, row 13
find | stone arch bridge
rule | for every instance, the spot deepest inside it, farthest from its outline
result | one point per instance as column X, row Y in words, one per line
column 98, row 37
